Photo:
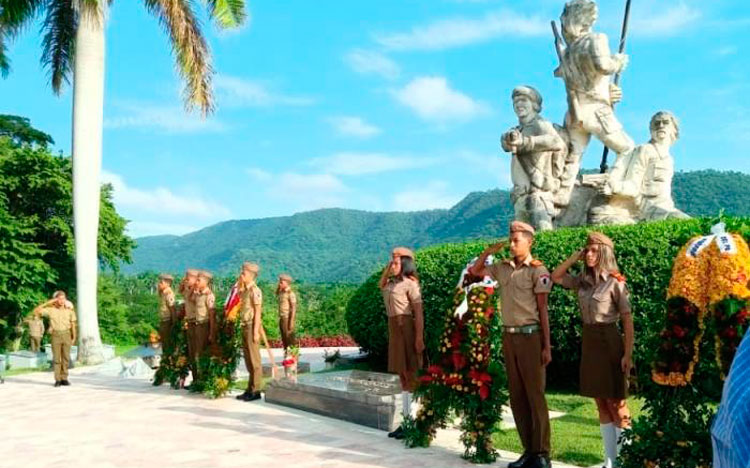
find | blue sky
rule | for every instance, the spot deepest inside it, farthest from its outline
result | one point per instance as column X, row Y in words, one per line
column 377, row 105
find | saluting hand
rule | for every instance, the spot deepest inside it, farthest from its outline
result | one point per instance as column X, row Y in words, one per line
column 495, row 248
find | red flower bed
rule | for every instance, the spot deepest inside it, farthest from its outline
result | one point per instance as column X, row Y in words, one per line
column 338, row 341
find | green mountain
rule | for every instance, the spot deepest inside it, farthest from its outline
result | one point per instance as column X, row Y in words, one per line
column 347, row 245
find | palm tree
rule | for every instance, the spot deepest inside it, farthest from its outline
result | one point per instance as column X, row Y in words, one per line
column 73, row 43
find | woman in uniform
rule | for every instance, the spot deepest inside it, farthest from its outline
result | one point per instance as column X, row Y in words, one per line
column 399, row 284
column 606, row 358
column 287, row 310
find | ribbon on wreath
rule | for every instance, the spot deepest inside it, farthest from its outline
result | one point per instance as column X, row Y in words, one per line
column 487, row 282
column 723, row 240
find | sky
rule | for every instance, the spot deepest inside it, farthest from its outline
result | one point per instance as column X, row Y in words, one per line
column 378, row 105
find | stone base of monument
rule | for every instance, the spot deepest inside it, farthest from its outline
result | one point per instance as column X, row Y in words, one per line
column 367, row 398
column 27, row 360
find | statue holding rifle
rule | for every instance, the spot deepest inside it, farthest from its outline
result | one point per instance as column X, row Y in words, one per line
column 586, row 64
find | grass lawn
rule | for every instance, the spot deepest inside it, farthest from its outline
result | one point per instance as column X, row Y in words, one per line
column 122, row 349
column 575, row 436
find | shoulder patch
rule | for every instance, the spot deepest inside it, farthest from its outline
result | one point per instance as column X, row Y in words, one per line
column 618, row 276
column 536, row 263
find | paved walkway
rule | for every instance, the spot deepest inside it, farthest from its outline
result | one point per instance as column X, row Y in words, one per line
column 108, row 422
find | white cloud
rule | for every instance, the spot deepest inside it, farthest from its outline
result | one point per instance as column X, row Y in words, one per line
column 171, row 119
column 303, row 191
column 431, row 196
column 146, row 228
column 354, row 164
column 432, row 98
column 496, row 164
column 457, row 32
column 353, row 126
column 240, row 92
column 259, row 174
column 658, row 23
column 726, row 51
column 161, row 200
column 371, row 62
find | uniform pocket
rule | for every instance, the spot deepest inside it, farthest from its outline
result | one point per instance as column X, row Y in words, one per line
column 607, row 120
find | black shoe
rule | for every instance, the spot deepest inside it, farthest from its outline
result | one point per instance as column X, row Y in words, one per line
column 523, row 462
column 540, row 461
column 397, row 434
column 242, row 396
column 253, row 396
column 65, row 383
column 58, row 383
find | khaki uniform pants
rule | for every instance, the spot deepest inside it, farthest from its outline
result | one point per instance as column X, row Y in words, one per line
column 197, row 342
column 165, row 332
column 526, row 382
column 61, row 342
column 36, row 343
column 251, row 350
column 287, row 337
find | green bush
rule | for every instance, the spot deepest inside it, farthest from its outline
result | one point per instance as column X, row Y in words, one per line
column 644, row 251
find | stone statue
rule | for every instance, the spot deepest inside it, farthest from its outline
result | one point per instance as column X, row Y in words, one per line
column 646, row 175
column 538, row 156
column 586, row 65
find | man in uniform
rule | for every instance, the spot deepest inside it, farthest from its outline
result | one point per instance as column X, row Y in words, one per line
column 62, row 320
column 202, row 325
column 251, row 307
column 287, row 310
column 586, row 68
column 36, row 332
column 525, row 285
column 167, row 314
column 538, row 154
column 186, row 289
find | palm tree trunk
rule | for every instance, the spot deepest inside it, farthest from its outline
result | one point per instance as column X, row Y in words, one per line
column 88, row 115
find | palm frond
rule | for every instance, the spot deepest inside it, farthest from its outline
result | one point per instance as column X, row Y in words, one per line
column 227, row 13
column 58, row 45
column 14, row 15
column 4, row 60
column 190, row 49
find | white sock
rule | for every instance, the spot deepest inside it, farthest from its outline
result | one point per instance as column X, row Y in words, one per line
column 609, row 437
column 618, row 434
column 406, row 403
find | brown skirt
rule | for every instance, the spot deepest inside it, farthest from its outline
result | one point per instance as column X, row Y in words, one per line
column 601, row 357
column 402, row 356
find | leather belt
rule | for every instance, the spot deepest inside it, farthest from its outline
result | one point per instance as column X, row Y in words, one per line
column 523, row 330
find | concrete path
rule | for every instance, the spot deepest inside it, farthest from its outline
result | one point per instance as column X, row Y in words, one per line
column 108, row 422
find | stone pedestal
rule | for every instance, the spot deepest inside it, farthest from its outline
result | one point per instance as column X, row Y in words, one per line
column 366, row 398
column 27, row 360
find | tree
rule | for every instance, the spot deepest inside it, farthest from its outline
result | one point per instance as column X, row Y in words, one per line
column 74, row 42
column 19, row 130
column 37, row 252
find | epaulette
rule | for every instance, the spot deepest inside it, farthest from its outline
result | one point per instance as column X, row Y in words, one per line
column 536, row 263
column 618, row 276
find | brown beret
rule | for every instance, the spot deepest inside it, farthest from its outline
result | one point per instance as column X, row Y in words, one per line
column 519, row 226
column 166, row 277
column 191, row 272
column 250, row 266
column 205, row 274
column 599, row 238
column 403, row 252
column 285, row 277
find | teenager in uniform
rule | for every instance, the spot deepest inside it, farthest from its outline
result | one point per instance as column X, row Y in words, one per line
column 251, row 308
column 167, row 314
column 62, row 324
column 188, row 312
column 402, row 296
column 606, row 359
column 201, row 328
column 287, row 310
column 525, row 285
column 36, row 332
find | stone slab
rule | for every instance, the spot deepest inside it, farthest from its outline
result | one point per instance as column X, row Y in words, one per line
column 366, row 398
column 303, row 367
column 26, row 360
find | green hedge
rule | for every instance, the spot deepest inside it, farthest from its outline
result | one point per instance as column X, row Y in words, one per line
column 644, row 252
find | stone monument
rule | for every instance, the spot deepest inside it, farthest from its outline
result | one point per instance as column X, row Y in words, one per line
column 547, row 190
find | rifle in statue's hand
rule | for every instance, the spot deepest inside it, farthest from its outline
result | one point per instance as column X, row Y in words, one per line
column 570, row 94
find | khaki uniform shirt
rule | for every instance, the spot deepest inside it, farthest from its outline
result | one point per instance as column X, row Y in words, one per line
column 60, row 318
column 166, row 302
column 204, row 304
column 251, row 297
column 602, row 302
column 400, row 296
column 287, row 300
column 189, row 305
column 36, row 327
column 519, row 285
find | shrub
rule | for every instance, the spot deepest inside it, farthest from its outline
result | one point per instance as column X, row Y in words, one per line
column 644, row 252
